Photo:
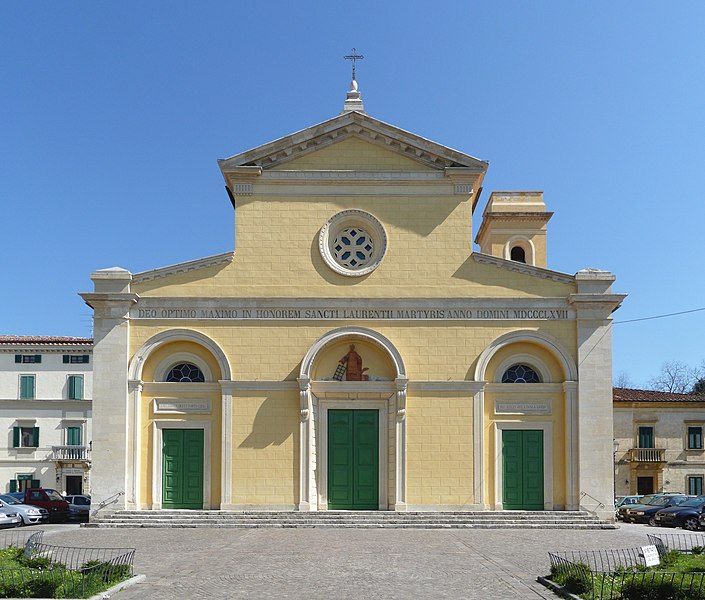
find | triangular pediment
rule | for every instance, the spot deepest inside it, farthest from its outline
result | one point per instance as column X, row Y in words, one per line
column 425, row 153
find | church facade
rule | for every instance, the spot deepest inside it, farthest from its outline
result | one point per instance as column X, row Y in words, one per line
column 353, row 352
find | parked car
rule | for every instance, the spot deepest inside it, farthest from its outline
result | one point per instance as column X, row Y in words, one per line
column 79, row 507
column 29, row 514
column 685, row 515
column 624, row 501
column 645, row 513
column 645, row 501
column 9, row 518
column 50, row 499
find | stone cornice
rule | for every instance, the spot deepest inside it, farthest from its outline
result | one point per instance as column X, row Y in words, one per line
column 109, row 300
column 184, row 267
column 517, row 267
column 352, row 124
column 543, row 217
column 596, row 305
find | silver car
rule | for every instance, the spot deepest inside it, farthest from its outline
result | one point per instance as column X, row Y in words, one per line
column 28, row 514
column 9, row 518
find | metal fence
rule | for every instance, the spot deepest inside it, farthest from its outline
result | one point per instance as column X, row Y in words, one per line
column 18, row 538
column 64, row 572
column 683, row 542
column 621, row 574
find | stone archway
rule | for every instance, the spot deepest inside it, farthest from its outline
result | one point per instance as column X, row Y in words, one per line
column 220, row 366
column 317, row 397
column 508, row 411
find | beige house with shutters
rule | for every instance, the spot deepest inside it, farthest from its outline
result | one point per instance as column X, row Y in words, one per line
column 659, row 442
column 45, row 411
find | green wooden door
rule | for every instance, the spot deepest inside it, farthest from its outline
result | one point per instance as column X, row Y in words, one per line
column 353, row 459
column 522, row 469
column 182, row 468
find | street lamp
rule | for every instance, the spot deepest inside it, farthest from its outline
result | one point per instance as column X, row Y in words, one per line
column 615, row 449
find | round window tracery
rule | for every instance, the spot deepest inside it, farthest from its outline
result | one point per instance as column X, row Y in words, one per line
column 353, row 247
column 520, row 374
column 353, row 243
column 185, row 373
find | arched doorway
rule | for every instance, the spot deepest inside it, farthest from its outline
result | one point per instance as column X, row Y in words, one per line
column 353, row 423
column 529, row 452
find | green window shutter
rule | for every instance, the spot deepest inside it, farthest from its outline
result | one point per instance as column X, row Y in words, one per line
column 37, row 358
column 18, row 358
column 76, row 387
column 66, row 358
column 646, row 437
column 695, row 438
column 13, row 485
column 35, row 437
column 73, row 436
column 15, row 437
column 86, row 358
column 27, row 387
column 36, row 483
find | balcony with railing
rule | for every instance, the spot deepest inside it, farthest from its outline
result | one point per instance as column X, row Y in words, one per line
column 71, row 453
column 649, row 455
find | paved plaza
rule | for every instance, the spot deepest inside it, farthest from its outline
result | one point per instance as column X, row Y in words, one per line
column 342, row 563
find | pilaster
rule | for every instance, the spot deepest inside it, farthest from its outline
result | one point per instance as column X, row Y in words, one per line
column 400, row 446
column 307, row 487
column 594, row 303
column 111, row 303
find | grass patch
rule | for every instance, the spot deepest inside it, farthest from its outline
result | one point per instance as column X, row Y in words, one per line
column 680, row 576
column 22, row 577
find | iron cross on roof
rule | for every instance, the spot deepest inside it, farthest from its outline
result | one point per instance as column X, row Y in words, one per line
column 353, row 57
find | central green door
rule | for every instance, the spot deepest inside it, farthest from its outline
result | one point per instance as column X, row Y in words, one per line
column 522, row 469
column 182, row 468
column 353, row 459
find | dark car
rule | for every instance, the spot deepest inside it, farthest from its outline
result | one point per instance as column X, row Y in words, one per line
column 645, row 513
column 685, row 515
column 644, row 501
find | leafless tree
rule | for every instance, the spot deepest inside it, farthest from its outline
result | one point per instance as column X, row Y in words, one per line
column 676, row 377
column 622, row 380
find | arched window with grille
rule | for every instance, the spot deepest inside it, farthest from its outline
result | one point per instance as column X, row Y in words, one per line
column 520, row 374
column 185, row 373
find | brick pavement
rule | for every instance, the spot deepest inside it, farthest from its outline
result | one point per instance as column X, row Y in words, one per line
column 342, row 563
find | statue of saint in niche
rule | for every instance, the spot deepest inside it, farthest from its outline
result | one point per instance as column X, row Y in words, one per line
column 350, row 367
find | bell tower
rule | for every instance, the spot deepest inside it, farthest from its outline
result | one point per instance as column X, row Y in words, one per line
column 514, row 227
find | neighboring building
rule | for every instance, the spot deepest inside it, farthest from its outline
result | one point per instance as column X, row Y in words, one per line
column 660, row 436
column 354, row 352
column 45, row 410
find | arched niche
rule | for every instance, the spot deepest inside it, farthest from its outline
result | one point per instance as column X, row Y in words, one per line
column 378, row 353
column 166, row 348
column 540, row 351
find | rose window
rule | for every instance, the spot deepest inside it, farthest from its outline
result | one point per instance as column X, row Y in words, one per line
column 353, row 247
column 352, row 243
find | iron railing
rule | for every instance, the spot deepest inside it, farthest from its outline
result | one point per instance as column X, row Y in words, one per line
column 621, row 574
column 71, row 453
column 683, row 542
column 57, row 571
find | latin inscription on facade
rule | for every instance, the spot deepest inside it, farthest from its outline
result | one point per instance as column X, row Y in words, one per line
column 169, row 406
column 522, row 408
column 148, row 310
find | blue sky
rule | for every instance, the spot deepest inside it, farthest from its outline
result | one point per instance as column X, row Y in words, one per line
column 112, row 116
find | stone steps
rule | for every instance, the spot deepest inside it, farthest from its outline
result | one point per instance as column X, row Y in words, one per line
column 352, row 519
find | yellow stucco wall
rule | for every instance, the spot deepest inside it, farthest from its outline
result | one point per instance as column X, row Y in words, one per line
column 439, row 448
column 266, row 448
